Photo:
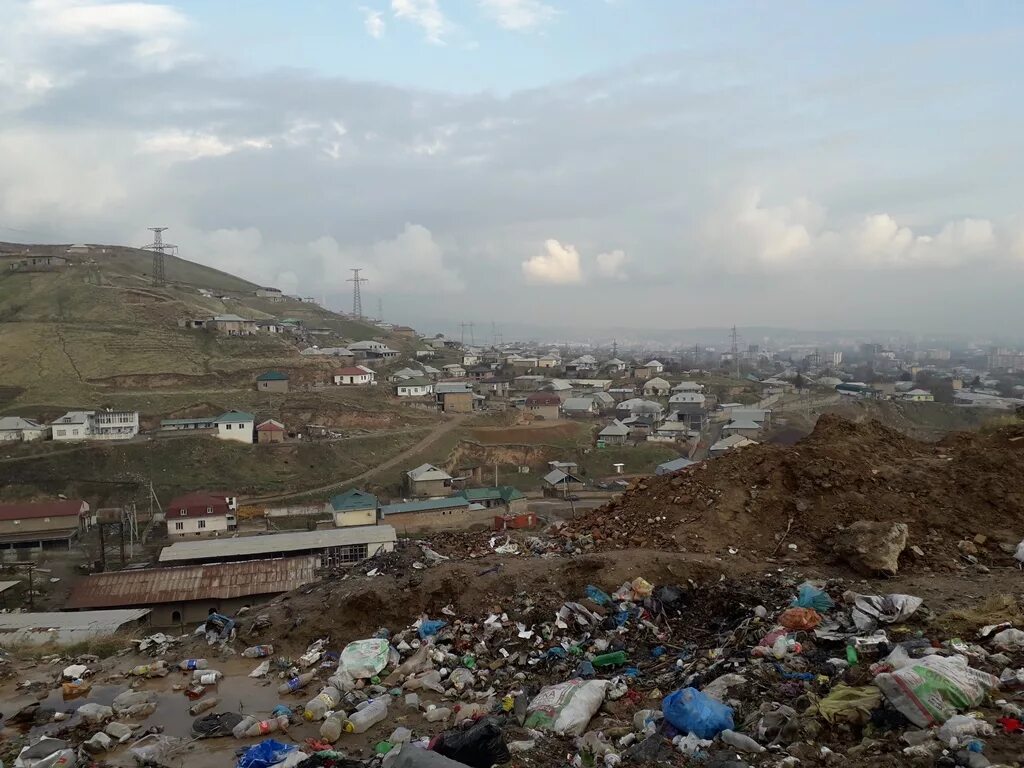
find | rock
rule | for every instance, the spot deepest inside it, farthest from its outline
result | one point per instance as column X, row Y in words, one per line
column 967, row 547
column 980, row 539
column 916, row 551
column 872, row 548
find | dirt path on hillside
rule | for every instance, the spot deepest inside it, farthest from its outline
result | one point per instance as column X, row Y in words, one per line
column 426, row 442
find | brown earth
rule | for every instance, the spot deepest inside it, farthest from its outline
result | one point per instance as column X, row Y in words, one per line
column 761, row 499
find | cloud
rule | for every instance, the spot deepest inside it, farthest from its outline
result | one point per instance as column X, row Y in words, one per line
column 82, row 19
column 373, row 21
column 412, row 262
column 611, row 265
column 800, row 235
column 557, row 264
column 192, row 145
column 519, row 15
column 426, row 15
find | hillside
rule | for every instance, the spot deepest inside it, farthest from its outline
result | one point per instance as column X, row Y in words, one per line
column 73, row 335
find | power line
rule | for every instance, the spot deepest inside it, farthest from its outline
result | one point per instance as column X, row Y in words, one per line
column 357, row 297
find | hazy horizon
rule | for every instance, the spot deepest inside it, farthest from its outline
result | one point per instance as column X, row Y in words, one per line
column 572, row 164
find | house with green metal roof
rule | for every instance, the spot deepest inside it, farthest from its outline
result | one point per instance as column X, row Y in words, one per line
column 354, row 507
column 272, row 381
column 238, row 426
column 504, row 498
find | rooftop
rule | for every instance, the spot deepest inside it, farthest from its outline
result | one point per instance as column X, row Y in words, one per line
column 615, row 429
column 270, row 426
column 272, row 376
column 674, row 465
column 505, row 493
column 427, row 505
column 235, row 417
column 742, row 424
column 211, row 581
column 427, row 472
column 16, row 422
column 64, row 626
column 298, row 541
column 578, row 404
column 43, row 509
column 353, row 498
column 229, row 319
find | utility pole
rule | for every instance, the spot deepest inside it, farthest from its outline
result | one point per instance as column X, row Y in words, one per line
column 160, row 249
column 357, row 298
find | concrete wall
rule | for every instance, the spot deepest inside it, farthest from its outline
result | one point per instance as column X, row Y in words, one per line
column 546, row 412
column 272, row 386
column 355, row 517
column 442, row 519
column 195, row 611
column 239, row 432
column 458, row 402
column 295, row 510
column 274, row 436
column 429, row 488
column 40, row 525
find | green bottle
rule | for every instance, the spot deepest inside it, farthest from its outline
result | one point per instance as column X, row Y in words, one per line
column 851, row 655
column 609, row 659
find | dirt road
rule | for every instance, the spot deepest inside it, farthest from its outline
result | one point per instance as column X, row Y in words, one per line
column 426, row 442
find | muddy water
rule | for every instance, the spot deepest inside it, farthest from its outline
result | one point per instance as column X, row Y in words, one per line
column 237, row 692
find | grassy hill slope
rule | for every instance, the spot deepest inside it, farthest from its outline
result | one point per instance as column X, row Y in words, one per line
column 69, row 337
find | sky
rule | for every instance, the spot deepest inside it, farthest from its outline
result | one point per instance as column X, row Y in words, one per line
column 568, row 163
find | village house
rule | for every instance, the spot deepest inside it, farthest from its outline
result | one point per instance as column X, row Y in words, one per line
column 730, row 443
column 579, row 406
column 478, row 372
column 355, row 375
column 404, row 331
column 270, row 431
column 455, row 397
column 404, row 373
column 427, row 480
column 269, row 326
column 675, row 465
column 622, row 393
column 237, row 426
column 353, row 507
column 560, row 483
column 656, row 387
column 675, row 428
column 454, row 370
column 451, row 513
column 655, row 368
column 544, row 405
column 203, row 423
column 425, row 354
column 200, row 514
column 492, row 387
column 38, row 526
column 527, row 383
column 272, row 381
column 373, row 349
column 603, row 401
column 762, row 416
column 96, row 425
column 916, row 396
column 345, row 355
column 636, row 406
column 742, row 427
column 17, row 429
column 269, row 293
column 39, row 263
column 232, row 325
column 582, row 364
column 688, row 386
column 470, row 358
column 419, row 387
column 504, row 498
column 561, row 387
column 549, row 361
column 588, row 386
column 615, row 365
column 693, row 415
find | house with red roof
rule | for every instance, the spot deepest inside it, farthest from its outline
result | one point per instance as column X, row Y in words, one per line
column 200, row 513
column 270, row 431
column 43, row 525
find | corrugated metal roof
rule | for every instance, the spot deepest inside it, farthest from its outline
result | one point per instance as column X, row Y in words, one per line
column 427, row 505
column 32, row 511
column 218, row 581
column 42, row 628
column 241, row 546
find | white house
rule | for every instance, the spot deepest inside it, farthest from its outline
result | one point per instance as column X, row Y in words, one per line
column 656, row 387
column 615, row 365
column 96, row 425
column 688, row 386
column 654, row 368
column 354, row 375
column 373, row 349
column 686, row 398
column 200, row 514
column 15, row 428
column 414, row 388
column 236, row 425
column 454, row 370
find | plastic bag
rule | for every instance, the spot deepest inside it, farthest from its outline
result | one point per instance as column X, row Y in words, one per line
column 799, row 618
column 811, row 596
column 691, row 711
column 479, row 746
column 94, row 713
column 933, row 689
column 848, row 704
column 265, row 754
column 46, row 753
column 871, row 610
column 411, row 756
column 599, row 596
column 430, row 627
column 1009, row 640
column 963, row 728
column 364, row 658
column 567, row 708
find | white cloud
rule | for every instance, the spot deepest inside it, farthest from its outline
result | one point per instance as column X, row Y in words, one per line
column 192, row 145
column 558, row 265
column 410, row 263
column 797, row 235
column 426, row 14
column 84, row 19
column 611, row 265
column 519, row 15
column 373, row 21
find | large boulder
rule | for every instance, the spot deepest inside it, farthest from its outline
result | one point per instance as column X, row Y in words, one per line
column 872, row 548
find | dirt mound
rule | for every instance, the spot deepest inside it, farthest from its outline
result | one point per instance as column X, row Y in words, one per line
column 762, row 499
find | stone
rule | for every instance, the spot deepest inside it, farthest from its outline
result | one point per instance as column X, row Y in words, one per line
column 872, row 547
column 980, row 539
column 916, row 551
column 967, row 547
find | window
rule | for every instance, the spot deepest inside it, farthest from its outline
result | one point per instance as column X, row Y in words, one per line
column 209, row 510
column 74, row 432
column 227, row 426
column 176, row 617
column 183, row 512
column 46, row 519
column 61, row 432
column 179, row 526
column 201, row 524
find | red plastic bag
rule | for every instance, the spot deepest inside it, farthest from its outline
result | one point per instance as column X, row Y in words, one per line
column 800, row 618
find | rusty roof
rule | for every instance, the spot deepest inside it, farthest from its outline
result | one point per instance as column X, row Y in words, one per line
column 33, row 510
column 192, row 582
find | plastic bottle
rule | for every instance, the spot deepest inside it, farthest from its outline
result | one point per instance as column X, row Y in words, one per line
column 609, row 659
column 187, row 665
column 318, row 707
column 263, row 727
column 258, row 651
column 239, row 731
column 332, row 727
column 206, row 676
column 203, row 704
column 436, row 714
column 296, row 683
column 364, row 719
column 740, row 741
column 470, row 711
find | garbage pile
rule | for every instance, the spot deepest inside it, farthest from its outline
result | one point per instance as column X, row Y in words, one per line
column 762, row 499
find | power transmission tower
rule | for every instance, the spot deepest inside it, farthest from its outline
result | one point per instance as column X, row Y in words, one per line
column 357, row 298
column 735, row 349
column 160, row 249
column 615, row 348
column 464, row 326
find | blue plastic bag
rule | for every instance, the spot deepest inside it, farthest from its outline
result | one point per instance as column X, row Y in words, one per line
column 812, row 597
column 690, row 711
column 598, row 596
column 265, row 754
column 430, row 627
